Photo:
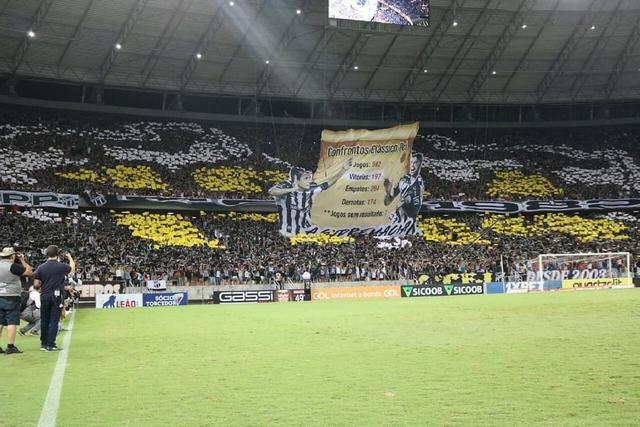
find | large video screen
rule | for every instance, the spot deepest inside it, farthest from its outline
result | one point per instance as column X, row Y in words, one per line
column 401, row 12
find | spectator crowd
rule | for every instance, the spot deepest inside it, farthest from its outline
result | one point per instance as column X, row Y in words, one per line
column 246, row 248
column 74, row 154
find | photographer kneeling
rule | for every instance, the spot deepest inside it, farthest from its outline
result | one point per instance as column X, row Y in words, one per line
column 10, row 290
column 31, row 313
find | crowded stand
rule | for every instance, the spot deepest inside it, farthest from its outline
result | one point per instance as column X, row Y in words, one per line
column 74, row 154
column 114, row 155
column 244, row 248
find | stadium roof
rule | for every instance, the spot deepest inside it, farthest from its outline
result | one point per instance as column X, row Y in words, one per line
column 516, row 51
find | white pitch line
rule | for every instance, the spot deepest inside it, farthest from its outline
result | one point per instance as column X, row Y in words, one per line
column 52, row 402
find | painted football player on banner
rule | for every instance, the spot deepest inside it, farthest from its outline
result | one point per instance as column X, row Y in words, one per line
column 294, row 198
column 410, row 188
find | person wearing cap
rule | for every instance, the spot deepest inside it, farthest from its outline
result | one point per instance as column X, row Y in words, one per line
column 52, row 275
column 10, row 290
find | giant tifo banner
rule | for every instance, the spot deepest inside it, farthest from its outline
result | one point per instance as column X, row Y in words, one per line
column 112, row 201
column 530, row 206
column 117, row 201
column 434, row 206
column 39, row 199
column 367, row 183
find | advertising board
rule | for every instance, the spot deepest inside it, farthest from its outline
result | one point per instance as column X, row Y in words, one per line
column 165, row 299
column 118, row 301
column 442, row 290
column 283, row 295
column 523, row 287
column 362, row 292
column 611, row 282
column 298, row 295
column 242, row 297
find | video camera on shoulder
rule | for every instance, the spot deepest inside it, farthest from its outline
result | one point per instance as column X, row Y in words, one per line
column 62, row 255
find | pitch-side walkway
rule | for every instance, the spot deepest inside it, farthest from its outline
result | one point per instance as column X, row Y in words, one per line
column 49, row 412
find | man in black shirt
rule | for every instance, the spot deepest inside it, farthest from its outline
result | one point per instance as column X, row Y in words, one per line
column 10, row 291
column 52, row 275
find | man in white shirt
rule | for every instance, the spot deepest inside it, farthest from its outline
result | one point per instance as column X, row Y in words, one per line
column 31, row 313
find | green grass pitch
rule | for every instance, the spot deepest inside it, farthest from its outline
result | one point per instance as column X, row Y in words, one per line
column 570, row 358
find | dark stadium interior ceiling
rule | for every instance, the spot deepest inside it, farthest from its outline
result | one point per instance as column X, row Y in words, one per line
column 494, row 51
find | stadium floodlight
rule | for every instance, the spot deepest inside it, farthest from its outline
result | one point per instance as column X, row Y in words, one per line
column 31, row 34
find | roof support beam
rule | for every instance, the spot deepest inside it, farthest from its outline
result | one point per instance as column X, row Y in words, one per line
column 311, row 60
column 36, row 22
column 127, row 80
column 287, row 37
column 6, row 5
column 448, row 72
column 422, row 59
column 75, row 33
column 621, row 63
column 250, row 27
column 202, row 47
column 379, row 64
column 525, row 55
column 348, row 62
column 589, row 64
column 174, row 22
column 505, row 38
column 123, row 35
column 565, row 53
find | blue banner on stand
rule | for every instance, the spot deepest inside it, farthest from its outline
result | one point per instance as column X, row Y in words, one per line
column 165, row 299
